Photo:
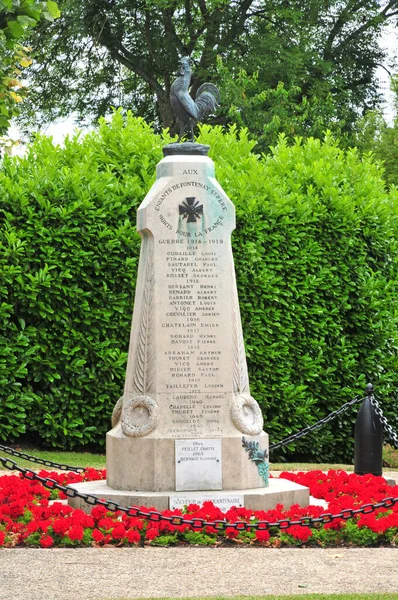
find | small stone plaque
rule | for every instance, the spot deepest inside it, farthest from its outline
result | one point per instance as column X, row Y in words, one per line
column 198, row 465
column 224, row 502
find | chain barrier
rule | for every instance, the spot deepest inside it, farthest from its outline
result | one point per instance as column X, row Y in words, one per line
column 317, row 425
column 196, row 523
column 392, row 435
column 40, row 461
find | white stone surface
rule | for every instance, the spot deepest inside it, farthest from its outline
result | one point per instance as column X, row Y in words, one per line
column 224, row 502
column 279, row 491
column 198, row 465
column 186, row 375
column 318, row 502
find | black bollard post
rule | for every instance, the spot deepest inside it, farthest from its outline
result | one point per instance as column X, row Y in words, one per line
column 368, row 439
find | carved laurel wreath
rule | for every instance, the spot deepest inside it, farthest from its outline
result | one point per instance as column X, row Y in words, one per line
column 132, row 430
column 117, row 412
column 246, row 415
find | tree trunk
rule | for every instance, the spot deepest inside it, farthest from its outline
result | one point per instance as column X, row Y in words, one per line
column 167, row 119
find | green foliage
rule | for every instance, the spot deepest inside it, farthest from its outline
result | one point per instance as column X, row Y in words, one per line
column 68, row 260
column 376, row 136
column 33, row 540
column 198, row 537
column 166, row 540
column 87, row 537
column 359, row 536
column 326, row 537
column 102, row 54
column 316, row 261
column 27, row 517
column 17, row 18
column 269, row 112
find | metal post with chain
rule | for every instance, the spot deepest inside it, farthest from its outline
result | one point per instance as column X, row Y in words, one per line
column 368, row 435
column 391, row 434
column 317, row 425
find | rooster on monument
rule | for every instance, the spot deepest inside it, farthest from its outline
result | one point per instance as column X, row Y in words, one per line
column 189, row 111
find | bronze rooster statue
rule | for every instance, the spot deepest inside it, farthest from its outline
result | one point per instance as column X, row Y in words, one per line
column 189, row 111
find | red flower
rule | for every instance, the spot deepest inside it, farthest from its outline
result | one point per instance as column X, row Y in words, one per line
column 119, row 532
column 192, row 508
column 98, row 512
column 61, row 526
column 32, row 527
column 231, row 533
column 25, row 510
column 299, row 532
column 133, row 536
column 151, row 533
column 58, row 509
column 75, row 533
column 98, row 536
column 46, row 541
column 262, row 535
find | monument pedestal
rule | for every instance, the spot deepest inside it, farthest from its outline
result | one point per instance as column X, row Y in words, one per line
column 151, row 463
column 186, row 422
column 279, row 491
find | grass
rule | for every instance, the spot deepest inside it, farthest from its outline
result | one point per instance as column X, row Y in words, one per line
column 309, row 466
column 299, row 597
column 98, row 461
column 390, row 455
column 73, row 459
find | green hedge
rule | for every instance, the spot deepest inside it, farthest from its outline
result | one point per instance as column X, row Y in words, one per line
column 316, row 261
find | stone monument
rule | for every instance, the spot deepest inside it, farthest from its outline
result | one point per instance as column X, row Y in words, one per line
column 178, row 428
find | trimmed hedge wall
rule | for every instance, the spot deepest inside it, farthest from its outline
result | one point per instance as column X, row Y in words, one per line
column 316, row 260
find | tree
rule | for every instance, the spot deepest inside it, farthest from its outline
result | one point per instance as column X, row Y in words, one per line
column 376, row 136
column 17, row 18
column 268, row 112
column 319, row 72
column 104, row 53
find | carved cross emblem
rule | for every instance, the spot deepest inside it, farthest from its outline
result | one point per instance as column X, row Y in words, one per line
column 191, row 210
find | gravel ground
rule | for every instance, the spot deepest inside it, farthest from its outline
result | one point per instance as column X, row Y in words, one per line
column 110, row 573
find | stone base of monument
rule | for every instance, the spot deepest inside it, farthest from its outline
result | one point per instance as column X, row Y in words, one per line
column 159, row 465
column 279, row 491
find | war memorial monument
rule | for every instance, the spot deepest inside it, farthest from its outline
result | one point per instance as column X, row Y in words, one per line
column 186, row 428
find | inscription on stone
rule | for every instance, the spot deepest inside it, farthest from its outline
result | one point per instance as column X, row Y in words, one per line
column 224, row 502
column 198, row 464
column 194, row 273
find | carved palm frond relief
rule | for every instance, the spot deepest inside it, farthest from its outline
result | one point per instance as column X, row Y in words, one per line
column 240, row 376
column 145, row 364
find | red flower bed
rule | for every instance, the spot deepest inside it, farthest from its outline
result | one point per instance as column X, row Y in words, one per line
column 31, row 515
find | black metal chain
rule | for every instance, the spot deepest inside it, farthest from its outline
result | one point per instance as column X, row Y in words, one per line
column 196, row 523
column 317, row 425
column 392, row 435
column 40, row 461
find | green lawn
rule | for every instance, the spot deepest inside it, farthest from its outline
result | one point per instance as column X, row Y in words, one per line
column 73, row 459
